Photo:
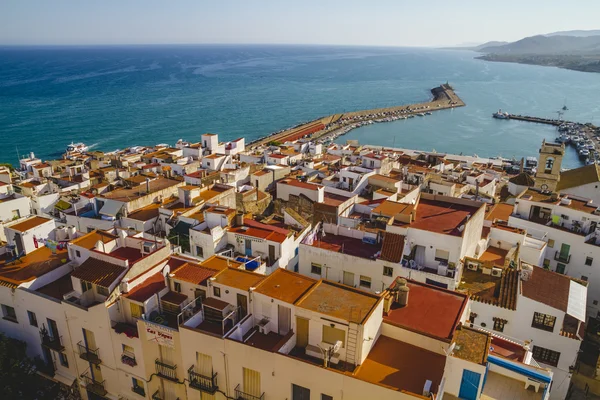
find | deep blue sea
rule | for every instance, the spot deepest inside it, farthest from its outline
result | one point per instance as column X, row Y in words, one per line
column 114, row 97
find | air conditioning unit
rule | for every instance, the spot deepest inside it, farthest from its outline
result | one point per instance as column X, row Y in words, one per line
column 473, row 267
column 497, row 272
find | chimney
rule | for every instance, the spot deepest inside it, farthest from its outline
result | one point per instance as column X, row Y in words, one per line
column 239, row 219
column 147, row 185
column 402, row 296
column 522, row 165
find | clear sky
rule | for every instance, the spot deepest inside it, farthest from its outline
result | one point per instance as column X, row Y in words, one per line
column 359, row 22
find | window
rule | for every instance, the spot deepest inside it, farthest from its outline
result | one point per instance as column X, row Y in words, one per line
column 77, row 253
column 589, row 260
column 388, row 271
column 551, row 243
column 326, row 397
column 546, row 263
column 543, row 321
column 16, row 214
column 199, row 251
column 300, row 393
column 442, row 255
column 177, row 287
column 560, row 268
column 584, row 278
column 331, row 335
column 138, row 386
column 101, row 290
column 32, row 319
column 217, row 291
column 85, row 286
column 365, row 281
column 499, row 324
column 546, row 356
column 315, row 269
column 9, row 313
column 63, row 360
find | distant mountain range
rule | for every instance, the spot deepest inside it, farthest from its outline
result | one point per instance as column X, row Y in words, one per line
column 578, row 50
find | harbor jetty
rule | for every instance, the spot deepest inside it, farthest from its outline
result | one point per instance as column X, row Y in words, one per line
column 331, row 126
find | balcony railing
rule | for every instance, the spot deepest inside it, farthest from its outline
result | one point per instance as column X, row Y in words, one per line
column 239, row 395
column 201, row 382
column 88, row 354
column 53, row 342
column 166, row 370
column 561, row 257
column 139, row 390
column 128, row 358
column 93, row 385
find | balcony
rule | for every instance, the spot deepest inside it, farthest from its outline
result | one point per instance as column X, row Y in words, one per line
column 201, row 382
column 53, row 342
column 88, row 354
column 139, row 390
column 93, row 385
column 561, row 257
column 239, row 395
column 166, row 371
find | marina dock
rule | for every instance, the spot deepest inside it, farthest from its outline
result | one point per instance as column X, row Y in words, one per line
column 334, row 125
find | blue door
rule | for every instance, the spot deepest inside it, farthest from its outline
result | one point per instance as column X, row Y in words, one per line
column 469, row 385
column 248, row 247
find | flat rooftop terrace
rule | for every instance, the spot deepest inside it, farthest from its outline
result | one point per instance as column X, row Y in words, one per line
column 430, row 310
column 31, row 266
column 347, row 245
column 401, row 366
column 441, row 217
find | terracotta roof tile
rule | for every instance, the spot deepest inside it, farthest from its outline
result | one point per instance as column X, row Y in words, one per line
column 579, row 176
column 547, row 287
column 193, row 273
column 393, row 245
column 174, row 298
column 99, row 272
column 147, row 288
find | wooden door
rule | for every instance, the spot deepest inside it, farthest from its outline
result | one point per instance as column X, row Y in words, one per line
column 302, row 334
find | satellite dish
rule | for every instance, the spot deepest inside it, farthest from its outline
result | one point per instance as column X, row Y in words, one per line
column 336, row 347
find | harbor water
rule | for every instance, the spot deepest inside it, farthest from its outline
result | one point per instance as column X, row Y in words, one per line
column 114, row 97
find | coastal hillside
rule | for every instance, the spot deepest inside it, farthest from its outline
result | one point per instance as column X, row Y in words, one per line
column 541, row 44
column 579, row 53
column 594, row 32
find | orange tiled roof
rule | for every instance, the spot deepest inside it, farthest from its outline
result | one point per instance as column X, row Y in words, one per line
column 101, row 273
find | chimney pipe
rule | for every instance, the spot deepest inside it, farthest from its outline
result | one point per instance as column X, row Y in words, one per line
column 147, row 185
column 402, row 296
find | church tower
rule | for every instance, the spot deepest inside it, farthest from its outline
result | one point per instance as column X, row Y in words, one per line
column 548, row 170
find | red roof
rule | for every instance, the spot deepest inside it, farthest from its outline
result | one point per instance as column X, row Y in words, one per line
column 441, row 217
column 430, row 310
column 304, row 185
column 256, row 224
column 277, row 155
column 193, row 273
column 147, row 288
column 267, row 234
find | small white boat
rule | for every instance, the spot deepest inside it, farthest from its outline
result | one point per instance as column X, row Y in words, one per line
column 77, row 148
column 501, row 115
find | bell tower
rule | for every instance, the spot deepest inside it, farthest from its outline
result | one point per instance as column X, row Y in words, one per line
column 548, row 170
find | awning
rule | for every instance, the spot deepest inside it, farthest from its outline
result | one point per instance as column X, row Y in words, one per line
column 182, row 228
column 111, row 208
column 521, row 370
column 577, row 301
column 62, row 205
